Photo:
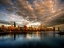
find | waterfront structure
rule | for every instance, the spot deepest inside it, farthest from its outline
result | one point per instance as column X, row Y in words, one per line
column 18, row 27
column 14, row 24
column 13, row 28
column 25, row 27
column 53, row 28
column 58, row 29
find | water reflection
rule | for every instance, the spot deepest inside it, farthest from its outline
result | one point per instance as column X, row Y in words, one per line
column 34, row 39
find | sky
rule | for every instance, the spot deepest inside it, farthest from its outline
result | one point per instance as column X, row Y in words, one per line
column 23, row 12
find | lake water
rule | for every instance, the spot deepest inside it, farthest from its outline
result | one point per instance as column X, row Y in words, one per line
column 32, row 40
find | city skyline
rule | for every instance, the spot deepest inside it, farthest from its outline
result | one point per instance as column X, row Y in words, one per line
column 47, row 12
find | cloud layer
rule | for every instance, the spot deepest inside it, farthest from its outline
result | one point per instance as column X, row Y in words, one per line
column 48, row 12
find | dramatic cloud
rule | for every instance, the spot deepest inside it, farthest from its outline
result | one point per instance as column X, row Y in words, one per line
column 48, row 12
column 6, row 2
column 39, row 11
column 5, row 22
column 55, row 20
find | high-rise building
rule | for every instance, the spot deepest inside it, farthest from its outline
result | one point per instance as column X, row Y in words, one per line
column 53, row 28
column 14, row 24
column 3, row 27
column 58, row 29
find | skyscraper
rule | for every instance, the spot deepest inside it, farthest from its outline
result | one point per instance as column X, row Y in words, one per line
column 53, row 28
column 58, row 29
column 14, row 24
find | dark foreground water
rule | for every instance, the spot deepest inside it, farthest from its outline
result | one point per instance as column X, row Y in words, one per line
column 32, row 40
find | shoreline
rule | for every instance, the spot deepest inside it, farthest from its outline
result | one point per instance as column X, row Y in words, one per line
column 25, row 32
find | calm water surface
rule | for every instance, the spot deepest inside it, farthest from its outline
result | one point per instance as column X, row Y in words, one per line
column 32, row 40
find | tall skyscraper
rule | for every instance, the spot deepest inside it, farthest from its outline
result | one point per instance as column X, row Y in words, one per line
column 53, row 28
column 14, row 24
column 58, row 29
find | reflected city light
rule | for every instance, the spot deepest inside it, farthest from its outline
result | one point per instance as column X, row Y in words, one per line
column 37, row 34
column 28, row 36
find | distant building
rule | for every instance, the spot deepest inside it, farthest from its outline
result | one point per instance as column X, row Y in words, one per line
column 53, row 28
column 14, row 24
column 3, row 27
column 58, row 29
column 25, row 27
column 18, row 27
column 11, row 28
